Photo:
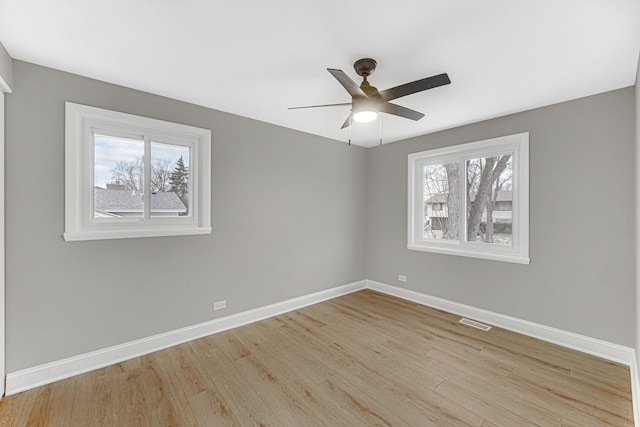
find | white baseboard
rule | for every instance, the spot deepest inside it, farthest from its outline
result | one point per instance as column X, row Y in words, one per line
column 635, row 389
column 50, row 372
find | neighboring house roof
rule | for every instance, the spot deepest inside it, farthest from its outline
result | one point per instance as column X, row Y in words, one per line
column 503, row 196
column 437, row 198
column 130, row 201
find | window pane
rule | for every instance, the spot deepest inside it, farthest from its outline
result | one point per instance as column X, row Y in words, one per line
column 490, row 200
column 441, row 199
column 118, row 177
column 170, row 180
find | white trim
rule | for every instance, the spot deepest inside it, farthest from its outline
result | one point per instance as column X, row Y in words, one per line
column 2, row 250
column 4, row 86
column 29, row 378
column 606, row 350
column 138, row 232
column 469, row 254
column 635, row 389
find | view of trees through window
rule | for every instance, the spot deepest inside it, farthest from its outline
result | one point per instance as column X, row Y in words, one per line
column 488, row 200
column 119, row 173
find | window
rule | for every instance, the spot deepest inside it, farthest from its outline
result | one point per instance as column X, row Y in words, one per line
column 472, row 199
column 130, row 176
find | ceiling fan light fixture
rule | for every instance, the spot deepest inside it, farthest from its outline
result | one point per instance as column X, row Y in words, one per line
column 365, row 110
column 365, row 116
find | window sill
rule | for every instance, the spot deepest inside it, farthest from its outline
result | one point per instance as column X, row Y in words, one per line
column 517, row 259
column 126, row 234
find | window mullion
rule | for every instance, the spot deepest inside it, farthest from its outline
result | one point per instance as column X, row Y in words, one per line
column 193, row 183
column 88, row 176
column 147, row 180
column 418, row 208
column 462, row 179
column 516, row 221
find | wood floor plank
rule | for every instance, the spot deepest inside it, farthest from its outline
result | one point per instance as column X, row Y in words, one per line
column 364, row 359
column 517, row 357
column 395, row 368
column 247, row 405
column 544, row 401
column 298, row 381
column 333, row 355
column 586, row 392
column 370, row 411
column 232, row 347
column 483, row 385
column 15, row 410
column 582, row 403
column 297, row 355
column 173, row 410
column 41, row 406
column 138, row 396
column 202, row 393
column 343, row 369
column 287, row 404
column 61, row 403
column 411, row 407
column 484, row 407
column 93, row 400
column 193, row 375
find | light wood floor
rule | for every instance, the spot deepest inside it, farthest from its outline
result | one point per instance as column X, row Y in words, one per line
column 360, row 360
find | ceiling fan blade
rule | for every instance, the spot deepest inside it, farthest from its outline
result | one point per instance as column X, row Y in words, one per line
column 351, row 86
column 347, row 122
column 413, row 87
column 323, row 105
column 397, row 110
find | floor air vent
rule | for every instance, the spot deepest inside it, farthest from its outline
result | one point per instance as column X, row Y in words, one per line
column 475, row 324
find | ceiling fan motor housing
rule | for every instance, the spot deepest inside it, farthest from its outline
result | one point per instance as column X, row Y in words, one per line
column 365, row 66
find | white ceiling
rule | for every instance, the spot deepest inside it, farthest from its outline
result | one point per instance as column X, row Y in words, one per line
column 255, row 58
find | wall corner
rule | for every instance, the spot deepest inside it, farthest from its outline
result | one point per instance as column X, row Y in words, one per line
column 6, row 70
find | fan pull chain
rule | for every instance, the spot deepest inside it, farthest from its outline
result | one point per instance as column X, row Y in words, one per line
column 350, row 125
column 380, row 127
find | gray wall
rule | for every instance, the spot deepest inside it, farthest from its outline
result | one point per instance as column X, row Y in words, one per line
column 582, row 272
column 287, row 215
column 6, row 70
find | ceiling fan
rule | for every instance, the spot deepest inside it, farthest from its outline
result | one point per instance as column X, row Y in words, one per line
column 367, row 101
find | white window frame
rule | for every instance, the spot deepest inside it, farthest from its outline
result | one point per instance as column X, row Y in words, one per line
column 81, row 123
column 518, row 146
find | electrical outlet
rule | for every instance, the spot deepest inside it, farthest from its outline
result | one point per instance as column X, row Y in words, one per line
column 219, row 305
column 402, row 278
